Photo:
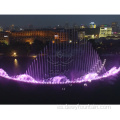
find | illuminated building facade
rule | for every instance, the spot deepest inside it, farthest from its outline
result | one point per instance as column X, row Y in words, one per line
column 45, row 35
column 82, row 26
column 104, row 25
column 105, row 31
column 90, row 33
column 31, row 35
column 4, row 37
column 92, row 25
column 90, row 36
column 81, row 35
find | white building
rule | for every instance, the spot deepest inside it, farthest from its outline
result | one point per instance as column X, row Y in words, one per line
column 105, row 31
column 92, row 25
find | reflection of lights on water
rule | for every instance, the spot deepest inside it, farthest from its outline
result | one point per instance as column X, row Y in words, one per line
column 34, row 56
column 85, row 84
column 16, row 62
column 63, row 88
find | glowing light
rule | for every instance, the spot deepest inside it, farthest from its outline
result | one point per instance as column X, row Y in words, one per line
column 21, row 29
column 85, row 84
column 34, row 56
column 92, row 23
column 16, row 62
column 70, row 41
column 53, row 42
column 14, row 54
column 5, row 35
column 58, row 79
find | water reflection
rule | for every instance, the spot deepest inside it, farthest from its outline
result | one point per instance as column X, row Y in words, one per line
column 16, row 63
column 16, row 67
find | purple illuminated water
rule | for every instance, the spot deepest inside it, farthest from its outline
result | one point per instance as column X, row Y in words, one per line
column 61, row 79
column 72, row 60
column 66, row 63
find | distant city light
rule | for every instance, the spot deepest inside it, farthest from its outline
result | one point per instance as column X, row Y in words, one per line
column 5, row 35
column 92, row 23
column 55, row 35
column 14, row 54
column 70, row 41
column 21, row 29
column 53, row 41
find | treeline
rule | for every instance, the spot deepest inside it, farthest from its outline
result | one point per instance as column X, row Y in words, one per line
column 22, row 49
column 106, row 46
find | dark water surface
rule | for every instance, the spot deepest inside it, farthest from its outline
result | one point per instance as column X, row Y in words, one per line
column 97, row 92
column 15, row 66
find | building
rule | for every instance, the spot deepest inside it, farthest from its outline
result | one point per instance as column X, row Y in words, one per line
column 1, row 29
column 92, row 25
column 31, row 35
column 81, row 35
column 42, row 35
column 75, row 26
column 105, row 31
column 82, row 26
column 12, row 27
column 4, row 37
column 104, row 25
column 114, row 26
column 89, row 37
column 89, row 33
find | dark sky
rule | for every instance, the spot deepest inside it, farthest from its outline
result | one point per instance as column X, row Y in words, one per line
column 52, row 20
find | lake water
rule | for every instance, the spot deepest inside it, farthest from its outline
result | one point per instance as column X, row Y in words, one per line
column 15, row 66
column 97, row 92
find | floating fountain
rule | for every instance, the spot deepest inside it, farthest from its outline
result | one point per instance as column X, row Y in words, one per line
column 63, row 63
column 72, row 60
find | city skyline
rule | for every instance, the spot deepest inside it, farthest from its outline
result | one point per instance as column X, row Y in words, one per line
column 54, row 20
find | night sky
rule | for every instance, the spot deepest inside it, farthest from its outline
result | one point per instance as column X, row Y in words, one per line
column 53, row 20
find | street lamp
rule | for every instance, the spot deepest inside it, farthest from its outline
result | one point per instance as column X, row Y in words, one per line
column 14, row 54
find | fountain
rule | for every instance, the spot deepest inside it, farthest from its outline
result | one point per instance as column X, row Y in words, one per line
column 64, row 63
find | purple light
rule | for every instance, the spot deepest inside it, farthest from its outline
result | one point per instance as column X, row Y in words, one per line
column 58, row 79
